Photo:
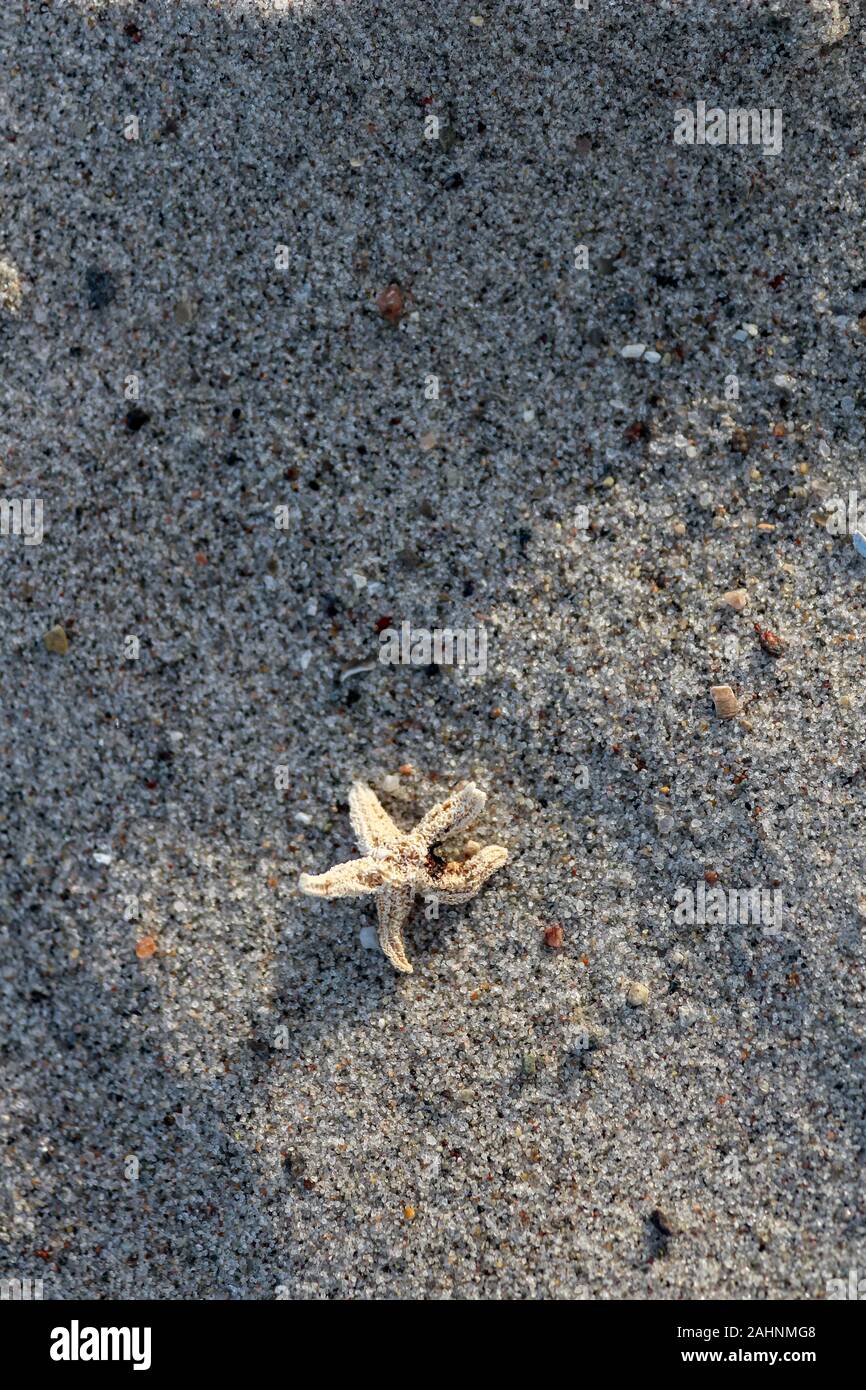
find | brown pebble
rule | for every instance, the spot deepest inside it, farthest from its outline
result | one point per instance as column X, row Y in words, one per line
column 725, row 701
column 711, row 876
column 56, row 640
column 769, row 640
column 406, row 770
column 145, row 948
column 553, row 936
column 736, row 599
column 390, row 303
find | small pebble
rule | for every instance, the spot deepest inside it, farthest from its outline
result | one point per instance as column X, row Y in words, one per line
column 100, row 285
column 135, row 418
column 390, row 303
column 145, row 948
column 184, row 311
column 737, row 599
column 725, row 701
column 770, row 641
column 662, row 1223
column 553, row 936
column 56, row 640
column 10, row 287
column 633, row 350
column 369, row 939
column 859, row 541
column 638, row 994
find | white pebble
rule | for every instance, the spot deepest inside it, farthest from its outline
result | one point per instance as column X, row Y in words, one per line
column 369, row 940
column 633, row 350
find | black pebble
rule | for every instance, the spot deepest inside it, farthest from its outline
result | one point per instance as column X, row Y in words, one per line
column 662, row 1223
column 135, row 418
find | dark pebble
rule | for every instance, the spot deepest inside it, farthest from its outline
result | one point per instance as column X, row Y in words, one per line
column 662, row 1223
column 135, row 418
column 101, row 288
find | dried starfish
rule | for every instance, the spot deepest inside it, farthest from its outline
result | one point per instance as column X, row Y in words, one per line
column 397, row 865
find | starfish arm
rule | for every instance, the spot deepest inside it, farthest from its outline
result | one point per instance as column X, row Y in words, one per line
column 370, row 821
column 460, row 882
column 393, row 906
column 452, row 815
column 347, row 880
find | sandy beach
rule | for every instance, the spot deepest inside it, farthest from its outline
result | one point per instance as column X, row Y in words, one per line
column 319, row 320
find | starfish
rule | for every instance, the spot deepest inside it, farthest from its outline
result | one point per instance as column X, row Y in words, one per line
column 397, row 865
